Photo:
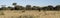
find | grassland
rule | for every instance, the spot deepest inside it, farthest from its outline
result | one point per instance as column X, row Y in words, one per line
column 29, row 14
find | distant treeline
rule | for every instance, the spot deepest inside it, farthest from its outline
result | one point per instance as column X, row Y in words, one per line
column 28, row 7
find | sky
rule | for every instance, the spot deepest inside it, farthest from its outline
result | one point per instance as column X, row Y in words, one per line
column 30, row 2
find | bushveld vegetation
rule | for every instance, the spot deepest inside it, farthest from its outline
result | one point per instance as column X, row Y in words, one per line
column 48, row 11
column 28, row 7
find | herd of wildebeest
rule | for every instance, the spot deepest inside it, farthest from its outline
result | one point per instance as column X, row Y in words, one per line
column 28, row 7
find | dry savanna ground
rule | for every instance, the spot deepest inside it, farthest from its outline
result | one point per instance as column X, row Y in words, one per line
column 29, row 14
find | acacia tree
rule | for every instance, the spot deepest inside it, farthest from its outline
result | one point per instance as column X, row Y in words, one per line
column 17, row 7
column 45, row 8
column 34, row 8
column 10, row 8
column 28, row 7
column 21, row 8
column 3, row 7
column 57, row 7
column 50, row 7
column 14, row 4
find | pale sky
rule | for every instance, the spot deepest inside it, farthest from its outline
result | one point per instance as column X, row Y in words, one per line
column 30, row 2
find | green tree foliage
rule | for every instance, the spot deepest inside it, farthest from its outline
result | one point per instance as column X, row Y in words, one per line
column 14, row 4
column 28, row 7
column 50, row 7
column 57, row 7
column 10, row 8
column 17, row 7
column 45, row 8
column 3, row 7
column 34, row 8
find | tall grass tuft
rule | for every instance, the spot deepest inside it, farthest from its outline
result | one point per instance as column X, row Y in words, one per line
column 27, row 16
column 1, row 13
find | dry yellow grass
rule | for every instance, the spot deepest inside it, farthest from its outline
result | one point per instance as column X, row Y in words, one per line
column 33, row 13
